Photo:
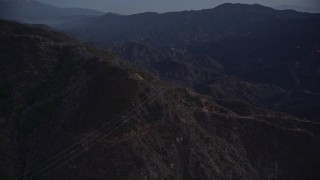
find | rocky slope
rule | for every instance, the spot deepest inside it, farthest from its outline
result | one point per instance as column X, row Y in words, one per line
column 72, row 89
column 179, row 64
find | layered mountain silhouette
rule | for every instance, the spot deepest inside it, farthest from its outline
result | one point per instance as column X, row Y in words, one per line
column 253, row 42
column 188, row 27
column 297, row 8
column 35, row 12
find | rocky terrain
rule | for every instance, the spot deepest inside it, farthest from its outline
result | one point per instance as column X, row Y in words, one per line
column 56, row 91
column 264, row 57
column 213, row 81
column 253, row 42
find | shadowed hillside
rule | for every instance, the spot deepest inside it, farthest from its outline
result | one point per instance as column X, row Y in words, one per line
column 55, row 91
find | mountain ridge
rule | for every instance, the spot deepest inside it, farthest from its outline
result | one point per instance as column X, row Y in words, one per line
column 179, row 64
column 244, row 13
column 36, row 12
column 180, row 134
column 250, row 43
column 224, row 93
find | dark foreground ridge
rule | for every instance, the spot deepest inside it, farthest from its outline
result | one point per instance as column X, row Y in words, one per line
column 55, row 91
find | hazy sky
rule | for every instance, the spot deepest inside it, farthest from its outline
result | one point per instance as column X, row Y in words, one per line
column 137, row 6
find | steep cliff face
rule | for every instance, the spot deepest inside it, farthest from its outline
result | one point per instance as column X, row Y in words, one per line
column 55, row 92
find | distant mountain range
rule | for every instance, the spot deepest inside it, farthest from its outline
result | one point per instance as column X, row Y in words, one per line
column 187, row 27
column 298, row 8
column 35, row 12
column 253, row 42
column 257, row 45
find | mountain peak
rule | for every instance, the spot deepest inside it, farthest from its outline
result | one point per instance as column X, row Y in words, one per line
column 110, row 14
column 239, row 6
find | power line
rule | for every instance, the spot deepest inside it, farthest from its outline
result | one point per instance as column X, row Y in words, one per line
column 74, row 156
column 88, row 142
column 78, row 144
